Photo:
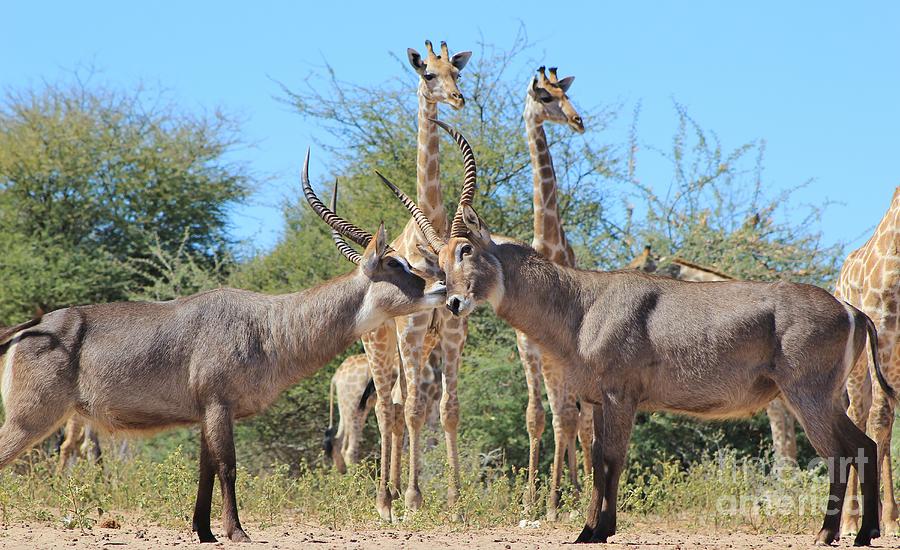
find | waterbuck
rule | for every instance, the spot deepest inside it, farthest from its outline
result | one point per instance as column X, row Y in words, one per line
column 209, row 358
column 632, row 341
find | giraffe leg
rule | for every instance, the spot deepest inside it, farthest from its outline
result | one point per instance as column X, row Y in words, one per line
column 73, row 436
column 411, row 334
column 453, row 338
column 880, row 423
column 586, row 436
column 380, row 346
column 859, row 391
column 565, row 419
column 784, row 434
column 534, row 414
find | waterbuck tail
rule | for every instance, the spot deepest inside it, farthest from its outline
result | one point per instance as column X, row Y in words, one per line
column 873, row 347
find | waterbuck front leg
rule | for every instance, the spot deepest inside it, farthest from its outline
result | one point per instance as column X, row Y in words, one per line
column 613, row 422
column 218, row 426
column 204, row 492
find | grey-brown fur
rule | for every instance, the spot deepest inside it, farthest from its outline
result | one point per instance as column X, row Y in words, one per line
column 209, row 358
column 635, row 341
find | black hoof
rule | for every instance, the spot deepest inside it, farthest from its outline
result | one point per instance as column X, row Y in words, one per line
column 585, row 535
column 207, row 537
column 865, row 536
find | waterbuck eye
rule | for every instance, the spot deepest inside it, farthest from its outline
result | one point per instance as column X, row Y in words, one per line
column 393, row 263
column 466, row 249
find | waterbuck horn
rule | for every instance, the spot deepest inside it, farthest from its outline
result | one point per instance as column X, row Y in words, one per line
column 470, row 182
column 339, row 241
column 337, row 223
column 422, row 220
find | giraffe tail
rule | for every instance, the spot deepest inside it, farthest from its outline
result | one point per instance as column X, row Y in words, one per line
column 873, row 346
column 330, row 432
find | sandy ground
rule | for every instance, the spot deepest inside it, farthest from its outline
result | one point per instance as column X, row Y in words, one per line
column 44, row 536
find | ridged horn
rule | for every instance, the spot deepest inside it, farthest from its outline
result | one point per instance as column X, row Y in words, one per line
column 470, row 179
column 421, row 219
column 342, row 226
column 339, row 241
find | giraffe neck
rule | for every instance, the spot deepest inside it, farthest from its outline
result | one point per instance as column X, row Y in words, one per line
column 428, row 172
column 549, row 237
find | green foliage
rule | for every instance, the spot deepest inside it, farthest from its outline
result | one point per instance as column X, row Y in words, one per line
column 724, row 491
column 91, row 178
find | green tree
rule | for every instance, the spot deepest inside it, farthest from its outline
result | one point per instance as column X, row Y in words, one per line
column 92, row 178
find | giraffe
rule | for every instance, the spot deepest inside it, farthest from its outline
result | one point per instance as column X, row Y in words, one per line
column 781, row 421
column 80, row 440
column 438, row 75
column 870, row 280
column 354, row 387
column 546, row 101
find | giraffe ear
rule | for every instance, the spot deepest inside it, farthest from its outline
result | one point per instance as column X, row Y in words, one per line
column 415, row 60
column 459, row 60
column 566, row 82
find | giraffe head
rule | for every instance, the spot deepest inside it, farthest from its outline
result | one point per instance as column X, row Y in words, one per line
column 438, row 74
column 547, row 100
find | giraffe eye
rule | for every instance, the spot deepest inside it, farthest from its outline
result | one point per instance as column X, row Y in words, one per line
column 546, row 98
column 428, row 76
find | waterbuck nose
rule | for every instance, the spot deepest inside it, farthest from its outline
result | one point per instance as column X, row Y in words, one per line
column 453, row 304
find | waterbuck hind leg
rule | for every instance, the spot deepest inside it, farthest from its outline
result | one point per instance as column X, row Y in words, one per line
column 204, row 492
column 218, row 425
column 837, row 440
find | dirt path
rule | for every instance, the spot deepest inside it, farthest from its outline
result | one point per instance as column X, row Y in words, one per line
column 46, row 537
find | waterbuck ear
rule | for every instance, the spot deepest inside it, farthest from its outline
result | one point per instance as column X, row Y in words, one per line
column 374, row 251
column 478, row 231
column 566, row 82
column 459, row 60
column 415, row 60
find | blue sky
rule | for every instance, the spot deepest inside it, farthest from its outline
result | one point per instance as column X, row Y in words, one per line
column 819, row 81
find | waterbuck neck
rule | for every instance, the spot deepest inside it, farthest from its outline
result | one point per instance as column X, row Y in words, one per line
column 549, row 237
column 428, row 171
column 540, row 298
column 299, row 320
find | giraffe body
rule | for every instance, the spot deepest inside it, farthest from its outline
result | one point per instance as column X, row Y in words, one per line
column 354, row 387
column 546, row 101
column 438, row 76
column 870, row 280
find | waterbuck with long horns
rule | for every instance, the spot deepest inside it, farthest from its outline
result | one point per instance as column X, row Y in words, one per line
column 209, row 358
column 633, row 341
